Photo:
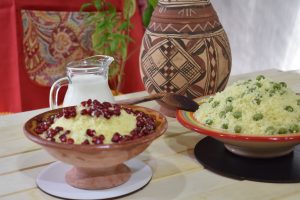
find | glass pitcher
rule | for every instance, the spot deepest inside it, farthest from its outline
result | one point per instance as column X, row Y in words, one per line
column 86, row 79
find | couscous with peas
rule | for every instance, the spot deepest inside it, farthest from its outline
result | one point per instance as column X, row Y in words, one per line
column 255, row 107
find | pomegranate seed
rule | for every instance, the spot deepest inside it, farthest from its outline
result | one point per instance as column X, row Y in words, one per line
column 59, row 115
column 107, row 104
column 83, row 103
column 51, row 133
column 45, row 126
column 85, row 142
column 126, row 138
column 116, row 112
column 90, row 132
column 63, row 138
column 97, row 140
column 140, row 123
column 116, row 137
column 89, row 102
column 97, row 113
column 101, row 137
column 83, row 112
column 70, row 141
column 89, row 112
column 128, row 110
column 59, row 128
column 117, row 106
column 107, row 115
column 96, row 102
column 133, row 132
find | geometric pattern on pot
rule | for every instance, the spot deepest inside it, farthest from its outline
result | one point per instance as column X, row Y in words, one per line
column 193, row 66
column 185, row 49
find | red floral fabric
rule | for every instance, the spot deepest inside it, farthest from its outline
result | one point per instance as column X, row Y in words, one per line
column 51, row 39
column 19, row 89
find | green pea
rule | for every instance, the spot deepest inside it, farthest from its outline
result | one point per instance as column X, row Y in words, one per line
column 260, row 77
column 237, row 129
column 229, row 108
column 257, row 101
column 251, row 90
column 248, row 81
column 270, row 129
column 225, row 126
column 282, row 130
column 272, row 92
column 276, row 86
column 215, row 104
column 289, row 108
column 283, row 84
column 294, row 128
column 222, row 114
column 257, row 116
column 298, row 102
column 282, row 93
column 209, row 122
column 258, row 84
column 229, row 99
column 237, row 114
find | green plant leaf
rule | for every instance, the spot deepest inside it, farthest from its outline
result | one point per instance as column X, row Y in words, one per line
column 114, row 45
column 97, row 4
column 124, row 25
column 85, row 6
column 153, row 3
column 129, row 8
column 147, row 15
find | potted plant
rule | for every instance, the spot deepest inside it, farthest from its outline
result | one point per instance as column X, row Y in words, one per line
column 110, row 34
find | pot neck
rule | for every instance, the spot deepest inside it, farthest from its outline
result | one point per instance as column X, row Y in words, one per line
column 184, row 2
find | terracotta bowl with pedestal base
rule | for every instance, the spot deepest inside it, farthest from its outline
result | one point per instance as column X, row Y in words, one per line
column 96, row 166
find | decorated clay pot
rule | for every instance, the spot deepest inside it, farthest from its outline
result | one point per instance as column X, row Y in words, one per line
column 185, row 50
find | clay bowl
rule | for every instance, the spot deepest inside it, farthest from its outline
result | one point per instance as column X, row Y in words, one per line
column 96, row 166
column 243, row 145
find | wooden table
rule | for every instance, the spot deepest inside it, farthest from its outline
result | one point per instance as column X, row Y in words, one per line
column 176, row 172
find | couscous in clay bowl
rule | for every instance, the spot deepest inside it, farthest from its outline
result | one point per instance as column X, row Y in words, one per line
column 96, row 166
column 256, row 118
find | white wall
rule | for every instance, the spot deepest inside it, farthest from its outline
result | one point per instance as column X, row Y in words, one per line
column 263, row 33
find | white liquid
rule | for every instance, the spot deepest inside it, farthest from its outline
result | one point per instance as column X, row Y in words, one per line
column 84, row 87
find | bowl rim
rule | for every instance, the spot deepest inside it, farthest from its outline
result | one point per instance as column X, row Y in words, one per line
column 43, row 142
column 188, row 120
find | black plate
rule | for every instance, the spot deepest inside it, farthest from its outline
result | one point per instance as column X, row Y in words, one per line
column 214, row 157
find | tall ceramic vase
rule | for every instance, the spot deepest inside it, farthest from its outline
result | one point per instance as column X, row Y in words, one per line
column 185, row 50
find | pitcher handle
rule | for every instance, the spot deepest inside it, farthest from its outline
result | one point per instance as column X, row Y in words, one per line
column 54, row 91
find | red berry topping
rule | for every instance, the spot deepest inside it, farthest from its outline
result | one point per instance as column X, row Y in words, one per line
column 97, row 140
column 86, row 142
column 117, row 137
column 70, row 141
column 63, row 138
column 90, row 132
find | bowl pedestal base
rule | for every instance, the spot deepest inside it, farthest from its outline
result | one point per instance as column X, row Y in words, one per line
column 95, row 178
